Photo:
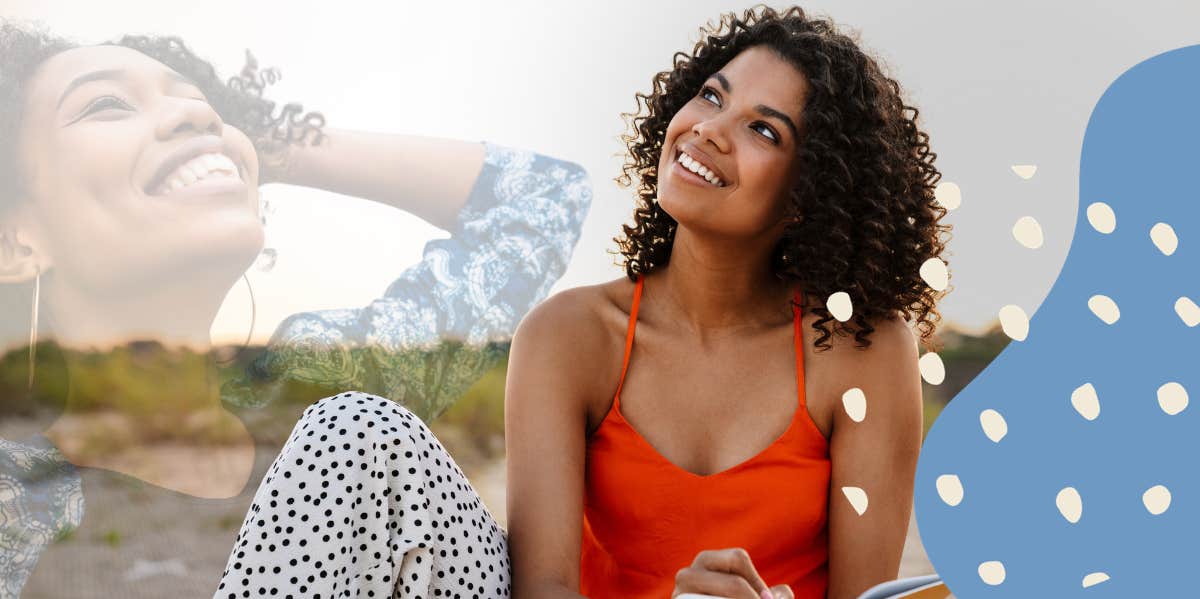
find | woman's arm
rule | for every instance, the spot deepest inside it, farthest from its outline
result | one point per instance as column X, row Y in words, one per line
column 877, row 455
column 437, row 326
column 425, row 176
column 557, row 354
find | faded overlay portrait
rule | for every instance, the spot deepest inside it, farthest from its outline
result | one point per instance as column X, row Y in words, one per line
column 130, row 206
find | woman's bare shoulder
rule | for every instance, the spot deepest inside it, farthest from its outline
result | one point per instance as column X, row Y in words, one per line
column 580, row 326
column 893, row 347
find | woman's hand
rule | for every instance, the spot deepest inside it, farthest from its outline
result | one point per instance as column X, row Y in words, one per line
column 726, row 573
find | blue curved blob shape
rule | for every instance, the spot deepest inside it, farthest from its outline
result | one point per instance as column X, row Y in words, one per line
column 1141, row 156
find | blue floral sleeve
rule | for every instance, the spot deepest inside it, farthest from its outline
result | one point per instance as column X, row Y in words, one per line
column 41, row 499
column 446, row 320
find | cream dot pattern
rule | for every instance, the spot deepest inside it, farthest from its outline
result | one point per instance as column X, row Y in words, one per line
column 1070, row 504
column 935, row 274
column 993, row 424
column 1157, row 499
column 1104, row 308
column 1028, row 232
column 933, row 370
column 1172, row 398
column 1086, row 401
column 948, row 195
column 1096, row 475
column 1101, row 217
column 1024, row 171
column 854, row 401
column 1188, row 311
column 839, row 306
column 1094, row 579
column 857, row 498
column 1014, row 322
column 992, row 572
column 950, row 489
column 1164, row 238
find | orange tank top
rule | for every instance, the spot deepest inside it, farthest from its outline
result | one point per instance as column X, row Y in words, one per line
column 645, row 518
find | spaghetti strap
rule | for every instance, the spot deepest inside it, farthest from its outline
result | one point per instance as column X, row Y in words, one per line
column 633, row 312
column 798, row 341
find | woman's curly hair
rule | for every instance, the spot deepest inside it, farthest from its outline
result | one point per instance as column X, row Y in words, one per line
column 868, row 217
column 239, row 100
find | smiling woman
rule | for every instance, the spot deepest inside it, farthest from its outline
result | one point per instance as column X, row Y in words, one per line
column 101, row 150
column 778, row 171
column 129, row 205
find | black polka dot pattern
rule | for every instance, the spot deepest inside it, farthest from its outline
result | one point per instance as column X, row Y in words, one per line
column 363, row 501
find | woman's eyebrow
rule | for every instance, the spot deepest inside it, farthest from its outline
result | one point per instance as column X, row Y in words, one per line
column 111, row 75
column 762, row 109
column 724, row 82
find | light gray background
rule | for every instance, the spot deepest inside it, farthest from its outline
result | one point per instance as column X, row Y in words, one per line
column 998, row 84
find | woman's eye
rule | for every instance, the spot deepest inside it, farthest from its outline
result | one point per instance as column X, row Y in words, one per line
column 766, row 132
column 710, row 95
column 105, row 102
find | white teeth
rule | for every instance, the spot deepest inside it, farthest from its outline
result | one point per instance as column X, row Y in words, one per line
column 694, row 165
column 204, row 166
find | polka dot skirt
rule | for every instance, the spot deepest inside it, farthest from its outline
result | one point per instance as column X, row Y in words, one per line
column 363, row 501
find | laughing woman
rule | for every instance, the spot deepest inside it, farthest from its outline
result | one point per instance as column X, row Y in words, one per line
column 778, row 172
column 699, row 425
column 129, row 205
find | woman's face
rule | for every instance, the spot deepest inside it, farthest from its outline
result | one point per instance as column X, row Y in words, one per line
column 740, row 132
column 131, row 180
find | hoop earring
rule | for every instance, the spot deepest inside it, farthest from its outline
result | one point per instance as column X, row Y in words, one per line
column 253, row 319
column 33, row 322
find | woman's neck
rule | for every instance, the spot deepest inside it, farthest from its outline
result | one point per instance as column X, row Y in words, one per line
column 717, row 286
column 143, row 395
column 173, row 315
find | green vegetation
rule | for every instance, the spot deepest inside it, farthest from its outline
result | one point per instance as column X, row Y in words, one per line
column 112, row 538
column 230, row 521
column 65, row 535
column 160, row 385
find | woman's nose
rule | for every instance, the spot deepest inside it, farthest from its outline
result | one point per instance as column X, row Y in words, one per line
column 711, row 132
column 182, row 115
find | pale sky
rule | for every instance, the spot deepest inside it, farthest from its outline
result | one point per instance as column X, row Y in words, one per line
column 998, row 84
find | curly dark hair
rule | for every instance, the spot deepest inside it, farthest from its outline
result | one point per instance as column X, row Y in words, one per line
column 868, row 217
column 239, row 100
